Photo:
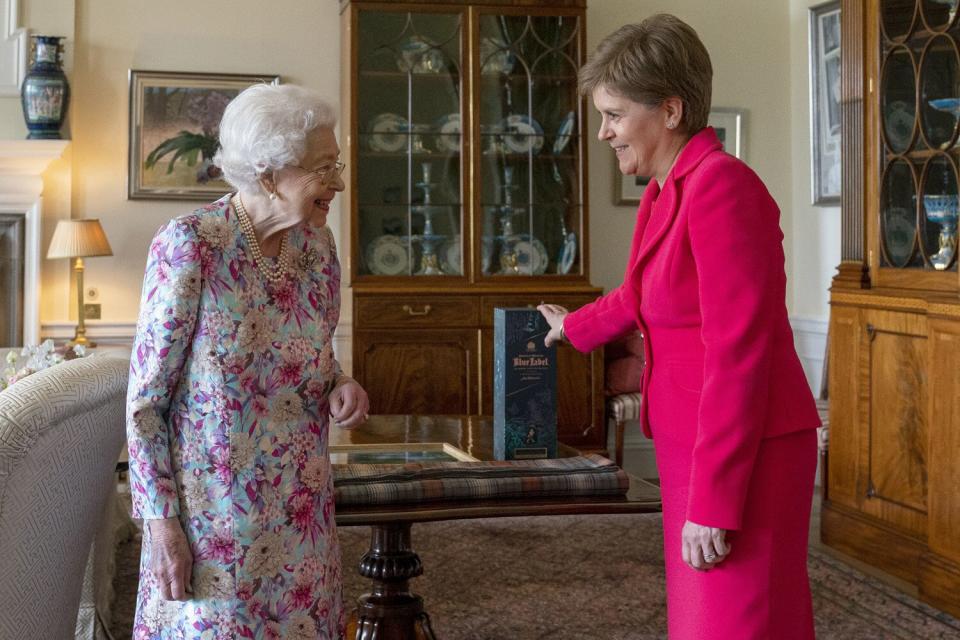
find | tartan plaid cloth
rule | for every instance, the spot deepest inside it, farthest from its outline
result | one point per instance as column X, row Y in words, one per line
column 419, row 482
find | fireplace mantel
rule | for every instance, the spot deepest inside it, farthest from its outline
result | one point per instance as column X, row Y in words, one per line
column 22, row 163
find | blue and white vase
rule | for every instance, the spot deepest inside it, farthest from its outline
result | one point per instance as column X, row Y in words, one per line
column 45, row 93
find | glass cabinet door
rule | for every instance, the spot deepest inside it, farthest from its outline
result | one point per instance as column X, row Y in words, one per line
column 530, row 199
column 919, row 102
column 408, row 118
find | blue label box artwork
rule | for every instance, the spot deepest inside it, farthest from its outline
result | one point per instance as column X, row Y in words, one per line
column 524, row 386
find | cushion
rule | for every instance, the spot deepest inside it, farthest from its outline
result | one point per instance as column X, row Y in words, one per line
column 623, row 365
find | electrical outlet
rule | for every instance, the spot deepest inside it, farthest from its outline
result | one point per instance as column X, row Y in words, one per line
column 91, row 311
column 92, row 293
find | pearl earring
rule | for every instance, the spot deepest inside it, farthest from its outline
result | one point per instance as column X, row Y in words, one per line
column 671, row 125
column 273, row 195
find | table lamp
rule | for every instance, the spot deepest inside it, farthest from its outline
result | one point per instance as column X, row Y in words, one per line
column 79, row 239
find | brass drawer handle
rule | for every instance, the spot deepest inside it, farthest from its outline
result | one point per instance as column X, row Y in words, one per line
column 410, row 311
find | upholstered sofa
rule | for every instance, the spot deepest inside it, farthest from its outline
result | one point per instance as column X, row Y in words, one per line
column 61, row 430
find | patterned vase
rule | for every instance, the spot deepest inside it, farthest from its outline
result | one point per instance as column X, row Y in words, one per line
column 45, row 93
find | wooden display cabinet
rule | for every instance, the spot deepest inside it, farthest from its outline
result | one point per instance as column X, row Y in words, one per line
column 893, row 491
column 464, row 131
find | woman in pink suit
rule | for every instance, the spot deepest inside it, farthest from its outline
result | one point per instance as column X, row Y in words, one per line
column 725, row 398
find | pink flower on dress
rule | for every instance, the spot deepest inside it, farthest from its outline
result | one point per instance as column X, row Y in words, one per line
column 261, row 405
column 302, row 512
column 286, row 296
column 290, row 373
column 218, row 545
column 301, row 596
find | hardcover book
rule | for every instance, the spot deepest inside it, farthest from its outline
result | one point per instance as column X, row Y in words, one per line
column 524, row 386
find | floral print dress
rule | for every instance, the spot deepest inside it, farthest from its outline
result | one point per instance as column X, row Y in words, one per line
column 227, row 428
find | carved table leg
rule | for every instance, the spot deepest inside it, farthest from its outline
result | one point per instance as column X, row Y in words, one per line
column 391, row 611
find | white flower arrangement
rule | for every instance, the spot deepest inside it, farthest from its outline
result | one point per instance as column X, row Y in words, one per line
column 35, row 358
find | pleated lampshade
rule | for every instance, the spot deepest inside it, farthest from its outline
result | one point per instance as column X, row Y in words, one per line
column 79, row 239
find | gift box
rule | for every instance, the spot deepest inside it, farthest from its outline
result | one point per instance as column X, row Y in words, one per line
column 524, row 386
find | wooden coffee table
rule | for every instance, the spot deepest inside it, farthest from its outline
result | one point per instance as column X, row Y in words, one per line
column 391, row 611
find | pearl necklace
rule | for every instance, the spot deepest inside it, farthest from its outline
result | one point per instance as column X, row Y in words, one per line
column 273, row 273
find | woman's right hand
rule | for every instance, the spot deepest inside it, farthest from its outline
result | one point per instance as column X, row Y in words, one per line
column 171, row 561
column 554, row 314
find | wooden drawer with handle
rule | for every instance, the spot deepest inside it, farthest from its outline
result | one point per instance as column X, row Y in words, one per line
column 416, row 311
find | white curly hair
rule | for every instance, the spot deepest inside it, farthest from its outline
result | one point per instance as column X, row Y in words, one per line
column 265, row 128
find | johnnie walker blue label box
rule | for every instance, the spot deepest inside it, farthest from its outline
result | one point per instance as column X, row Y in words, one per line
column 524, row 386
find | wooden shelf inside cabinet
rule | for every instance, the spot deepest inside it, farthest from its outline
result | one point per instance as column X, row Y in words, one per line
column 535, row 77
column 923, row 154
column 402, row 75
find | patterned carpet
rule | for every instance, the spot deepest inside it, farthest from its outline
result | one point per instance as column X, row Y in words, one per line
column 584, row 577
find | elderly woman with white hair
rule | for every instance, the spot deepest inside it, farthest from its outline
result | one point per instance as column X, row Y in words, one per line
column 233, row 380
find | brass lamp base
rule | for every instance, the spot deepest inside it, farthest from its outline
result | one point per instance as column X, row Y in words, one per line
column 80, row 334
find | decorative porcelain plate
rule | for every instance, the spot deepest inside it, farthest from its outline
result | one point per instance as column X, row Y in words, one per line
column 522, row 134
column 563, row 133
column 899, row 233
column 950, row 105
column 899, row 121
column 450, row 256
column 389, row 132
column 387, row 256
column 449, row 129
column 568, row 254
column 531, row 256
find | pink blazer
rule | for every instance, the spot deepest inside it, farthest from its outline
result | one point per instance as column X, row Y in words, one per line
column 705, row 283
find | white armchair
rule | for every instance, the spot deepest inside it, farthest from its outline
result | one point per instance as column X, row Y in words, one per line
column 61, row 431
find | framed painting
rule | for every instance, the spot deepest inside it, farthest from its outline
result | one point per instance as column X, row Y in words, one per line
column 825, row 103
column 729, row 125
column 174, row 132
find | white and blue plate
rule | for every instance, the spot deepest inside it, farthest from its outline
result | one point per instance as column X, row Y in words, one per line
column 387, row 256
column 389, row 132
column 563, row 133
column 568, row 254
column 532, row 256
column 522, row 134
column 448, row 128
column 450, row 256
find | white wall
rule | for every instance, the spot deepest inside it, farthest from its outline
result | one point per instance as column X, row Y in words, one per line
column 814, row 236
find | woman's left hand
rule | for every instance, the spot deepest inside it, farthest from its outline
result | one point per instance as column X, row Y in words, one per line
column 349, row 404
column 703, row 547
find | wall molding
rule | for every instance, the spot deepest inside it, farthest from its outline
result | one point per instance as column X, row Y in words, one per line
column 122, row 332
column 13, row 49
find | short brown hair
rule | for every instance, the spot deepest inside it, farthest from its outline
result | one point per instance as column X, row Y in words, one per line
column 651, row 61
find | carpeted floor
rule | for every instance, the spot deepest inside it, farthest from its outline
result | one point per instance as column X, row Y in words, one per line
column 583, row 578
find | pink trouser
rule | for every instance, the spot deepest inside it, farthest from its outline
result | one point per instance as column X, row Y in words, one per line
column 762, row 589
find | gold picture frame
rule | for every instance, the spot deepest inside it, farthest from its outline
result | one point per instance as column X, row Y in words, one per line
column 174, row 120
